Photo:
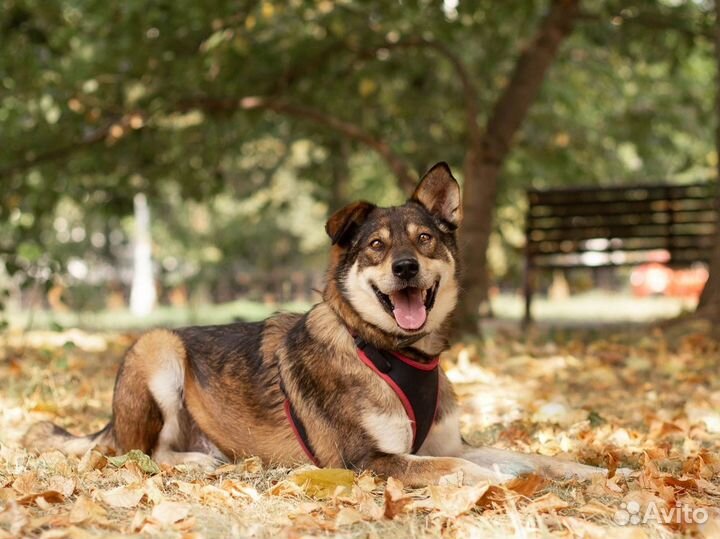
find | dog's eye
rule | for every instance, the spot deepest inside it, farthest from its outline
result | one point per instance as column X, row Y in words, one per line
column 377, row 245
column 424, row 238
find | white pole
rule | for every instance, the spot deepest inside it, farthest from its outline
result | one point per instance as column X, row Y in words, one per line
column 142, row 294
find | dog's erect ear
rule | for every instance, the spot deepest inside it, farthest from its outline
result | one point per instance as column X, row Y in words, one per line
column 439, row 193
column 343, row 223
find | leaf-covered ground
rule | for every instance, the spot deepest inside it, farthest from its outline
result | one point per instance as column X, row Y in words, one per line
column 644, row 399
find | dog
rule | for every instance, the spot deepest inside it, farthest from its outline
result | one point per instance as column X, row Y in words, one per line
column 353, row 383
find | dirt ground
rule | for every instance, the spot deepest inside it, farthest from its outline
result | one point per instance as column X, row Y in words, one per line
column 646, row 399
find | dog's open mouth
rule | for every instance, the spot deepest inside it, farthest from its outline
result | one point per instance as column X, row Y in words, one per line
column 409, row 306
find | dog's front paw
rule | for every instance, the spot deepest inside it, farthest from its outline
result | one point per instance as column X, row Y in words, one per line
column 472, row 474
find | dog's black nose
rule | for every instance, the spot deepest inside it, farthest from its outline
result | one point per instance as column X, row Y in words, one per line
column 405, row 268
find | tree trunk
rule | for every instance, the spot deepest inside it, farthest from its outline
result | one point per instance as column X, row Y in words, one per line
column 478, row 211
column 486, row 156
column 709, row 304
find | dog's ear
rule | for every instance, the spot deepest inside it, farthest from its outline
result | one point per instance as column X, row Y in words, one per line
column 439, row 193
column 344, row 223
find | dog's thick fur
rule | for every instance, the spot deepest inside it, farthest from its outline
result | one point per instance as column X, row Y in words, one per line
column 207, row 394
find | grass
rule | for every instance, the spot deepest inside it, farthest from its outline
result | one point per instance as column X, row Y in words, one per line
column 162, row 316
column 590, row 308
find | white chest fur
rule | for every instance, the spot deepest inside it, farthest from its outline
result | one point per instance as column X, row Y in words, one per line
column 392, row 432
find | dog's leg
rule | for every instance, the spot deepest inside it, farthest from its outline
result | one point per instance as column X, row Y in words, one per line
column 151, row 384
column 551, row 467
column 512, row 462
column 418, row 471
column 444, row 440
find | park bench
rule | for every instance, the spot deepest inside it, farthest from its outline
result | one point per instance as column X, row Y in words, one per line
column 592, row 227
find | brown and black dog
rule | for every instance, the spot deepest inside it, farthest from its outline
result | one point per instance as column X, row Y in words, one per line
column 300, row 387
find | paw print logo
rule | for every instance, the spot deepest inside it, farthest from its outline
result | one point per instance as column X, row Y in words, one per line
column 629, row 513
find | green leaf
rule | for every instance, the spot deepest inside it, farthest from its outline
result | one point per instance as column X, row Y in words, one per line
column 143, row 461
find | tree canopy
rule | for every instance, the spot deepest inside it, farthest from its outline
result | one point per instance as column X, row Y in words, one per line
column 246, row 122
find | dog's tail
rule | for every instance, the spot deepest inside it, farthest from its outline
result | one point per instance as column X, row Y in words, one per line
column 46, row 436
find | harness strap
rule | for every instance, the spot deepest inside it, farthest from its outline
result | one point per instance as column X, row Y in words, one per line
column 416, row 384
column 300, row 433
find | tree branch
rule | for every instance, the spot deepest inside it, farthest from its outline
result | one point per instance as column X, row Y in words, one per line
column 397, row 164
column 511, row 108
column 471, row 96
column 111, row 131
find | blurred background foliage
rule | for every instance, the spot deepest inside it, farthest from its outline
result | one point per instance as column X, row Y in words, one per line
column 100, row 101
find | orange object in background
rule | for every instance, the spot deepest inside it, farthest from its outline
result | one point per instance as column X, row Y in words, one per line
column 657, row 279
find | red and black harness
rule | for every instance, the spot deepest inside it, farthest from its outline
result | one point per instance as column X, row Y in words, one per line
column 415, row 383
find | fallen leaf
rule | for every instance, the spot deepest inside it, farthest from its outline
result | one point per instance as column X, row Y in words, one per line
column 84, row 510
column 212, row 495
column 323, row 482
column 395, row 500
column 143, row 461
column 285, row 489
column 348, row 516
column 15, row 517
column 454, row 501
column 92, row 460
column 58, row 533
column 123, row 496
column 137, row 521
column 366, row 481
column 365, row 503
column 546, row 503
column 153, row 489
column 596, row 508
column 224, row 469
column 168, row 513
column 526, row 485
column 26, row 483
column 252, row 465
column 8, row 494
column 49, row 496
column 240, row 490
column 64, row 485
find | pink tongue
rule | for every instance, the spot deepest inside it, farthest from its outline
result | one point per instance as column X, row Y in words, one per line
column 409, row 308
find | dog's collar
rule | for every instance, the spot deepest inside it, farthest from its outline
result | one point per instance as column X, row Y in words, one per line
column 415, row 383
column 401, row 342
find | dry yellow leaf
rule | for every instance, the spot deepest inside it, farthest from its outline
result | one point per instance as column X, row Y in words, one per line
column 596, row 508
column 153, row 489
column 26, row 483
column 454, row 501
column 395, row 500
column 64, row 485
column 48, row 497
column 168, row 513
column 324, row 482
column 240, row 490
column 286, row 489
column 57, row 533
column 546, row 503
column 124, row 496
column 366, row 481
column 212, row 495
column 92, row 460
column 252, row 465
column 84, row 510
column 348, row 516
